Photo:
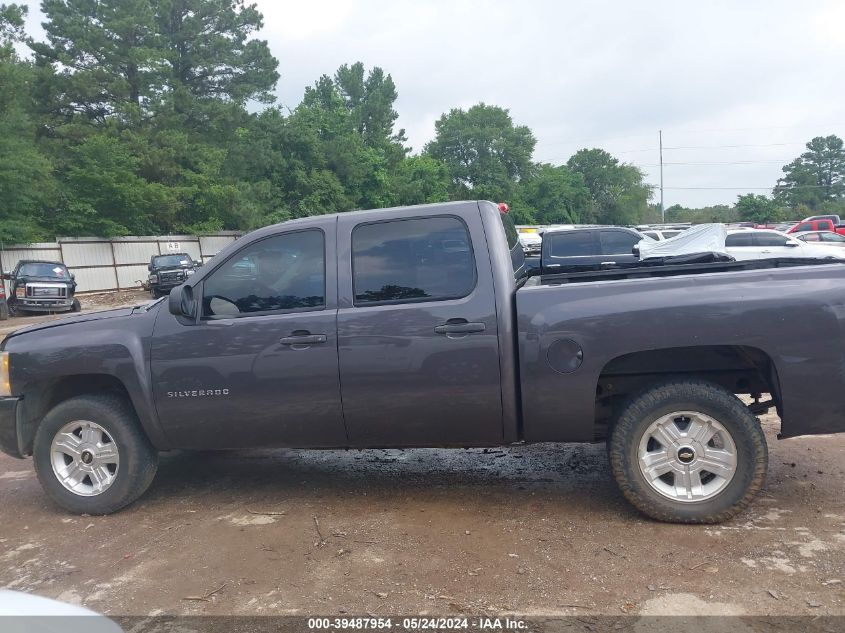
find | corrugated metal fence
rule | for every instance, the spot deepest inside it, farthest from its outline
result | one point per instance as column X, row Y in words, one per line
column 114, row 264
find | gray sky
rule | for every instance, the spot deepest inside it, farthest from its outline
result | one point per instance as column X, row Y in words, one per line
column 762, row 75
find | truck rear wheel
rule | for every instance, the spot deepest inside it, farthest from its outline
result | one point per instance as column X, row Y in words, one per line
column 688, row 452
column 91, row 455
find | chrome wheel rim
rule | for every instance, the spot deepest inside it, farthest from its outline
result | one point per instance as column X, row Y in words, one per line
column 85, row 458
column 687, row 456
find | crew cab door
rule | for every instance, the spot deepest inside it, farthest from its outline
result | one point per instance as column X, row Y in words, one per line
column 617, row 247
column 258, row 366
column 417, row 330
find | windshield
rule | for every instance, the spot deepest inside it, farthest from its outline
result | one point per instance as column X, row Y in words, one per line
column 44, row 269
column 171, row 261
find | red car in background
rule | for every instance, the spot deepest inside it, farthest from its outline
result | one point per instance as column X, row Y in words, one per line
column 819, row 223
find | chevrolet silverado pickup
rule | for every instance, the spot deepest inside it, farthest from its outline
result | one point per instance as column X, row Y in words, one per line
column 418, row 327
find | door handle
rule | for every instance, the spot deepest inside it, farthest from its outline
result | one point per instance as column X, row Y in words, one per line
column 303, row 339
column 459, row 328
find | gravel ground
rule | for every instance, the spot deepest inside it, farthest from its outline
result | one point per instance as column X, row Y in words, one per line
column 535, row 530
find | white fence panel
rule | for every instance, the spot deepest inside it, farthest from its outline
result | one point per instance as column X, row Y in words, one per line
column 77, row 254
column 138, row 252
column 213, row 244
column 9, row 257
column 94, row 279
column 129, row 276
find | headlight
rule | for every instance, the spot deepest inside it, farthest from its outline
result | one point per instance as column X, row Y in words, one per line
column 153, row 277
column 189, row 272
column 5, row 385
column 20, row 293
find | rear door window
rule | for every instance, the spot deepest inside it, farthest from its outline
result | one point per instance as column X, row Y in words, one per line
column 618, row 242
column 574, row 244
column 405, row 261
column 739, row 239
column 770, row 239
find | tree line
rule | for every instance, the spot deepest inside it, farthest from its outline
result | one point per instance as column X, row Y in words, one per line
column 158, row 116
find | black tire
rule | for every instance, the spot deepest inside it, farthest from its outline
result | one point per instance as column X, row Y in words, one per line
column 76, row 306
column 157, row 294
column 138, row 458
column 4, row 311
column 714, row 401
column 13, row 308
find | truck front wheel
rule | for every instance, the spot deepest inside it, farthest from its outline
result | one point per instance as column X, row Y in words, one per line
column 688, row 452
column 91, row 455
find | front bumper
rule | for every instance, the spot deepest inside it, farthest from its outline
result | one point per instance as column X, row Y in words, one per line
column 43, row 305
column 9, row 434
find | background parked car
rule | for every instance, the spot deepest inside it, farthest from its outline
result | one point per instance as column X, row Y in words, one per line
column 41, row 286
column 825, row 223
column 783, row 227
column 825, row 238
column 530, row 238
column 662, row 234
column 744, row 244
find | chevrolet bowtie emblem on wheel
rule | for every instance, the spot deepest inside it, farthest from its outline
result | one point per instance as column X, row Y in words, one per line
column 686, row 455
column 198, row 393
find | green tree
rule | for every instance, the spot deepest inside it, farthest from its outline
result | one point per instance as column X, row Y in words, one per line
column 551, row 195
column 105, row 55
column 209, row 52
column 27, row 185
column 370, row 101
column 11, row 23
column 420, row 180
column 486, row 154
column 618, row 193
column 816, row 177
column 759, row 209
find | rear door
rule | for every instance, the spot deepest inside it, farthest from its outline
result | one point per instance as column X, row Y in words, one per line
column 617, row 247
column 417, row 330
column 770, row 244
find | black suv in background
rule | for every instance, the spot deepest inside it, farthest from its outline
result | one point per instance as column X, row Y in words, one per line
column 41, row 286
column 168, row 271
column 589, row 248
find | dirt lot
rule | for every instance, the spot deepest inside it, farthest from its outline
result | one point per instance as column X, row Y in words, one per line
column 531, row 529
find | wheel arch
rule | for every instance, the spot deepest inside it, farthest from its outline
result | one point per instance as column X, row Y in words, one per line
column 741, row 369
column 40, row 397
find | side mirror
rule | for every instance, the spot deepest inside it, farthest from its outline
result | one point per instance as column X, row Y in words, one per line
column 197, row 263
column 180, row 302
column 150, row 267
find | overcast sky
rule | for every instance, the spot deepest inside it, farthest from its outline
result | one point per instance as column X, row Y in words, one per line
column 738, row 86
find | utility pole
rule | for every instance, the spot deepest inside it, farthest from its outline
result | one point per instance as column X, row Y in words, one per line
column 662, row 208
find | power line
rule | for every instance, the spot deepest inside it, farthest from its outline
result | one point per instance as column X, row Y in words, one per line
column 746, row 188
column 734, row 146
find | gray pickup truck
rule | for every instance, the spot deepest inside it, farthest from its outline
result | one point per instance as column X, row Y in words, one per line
column 417, row 327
